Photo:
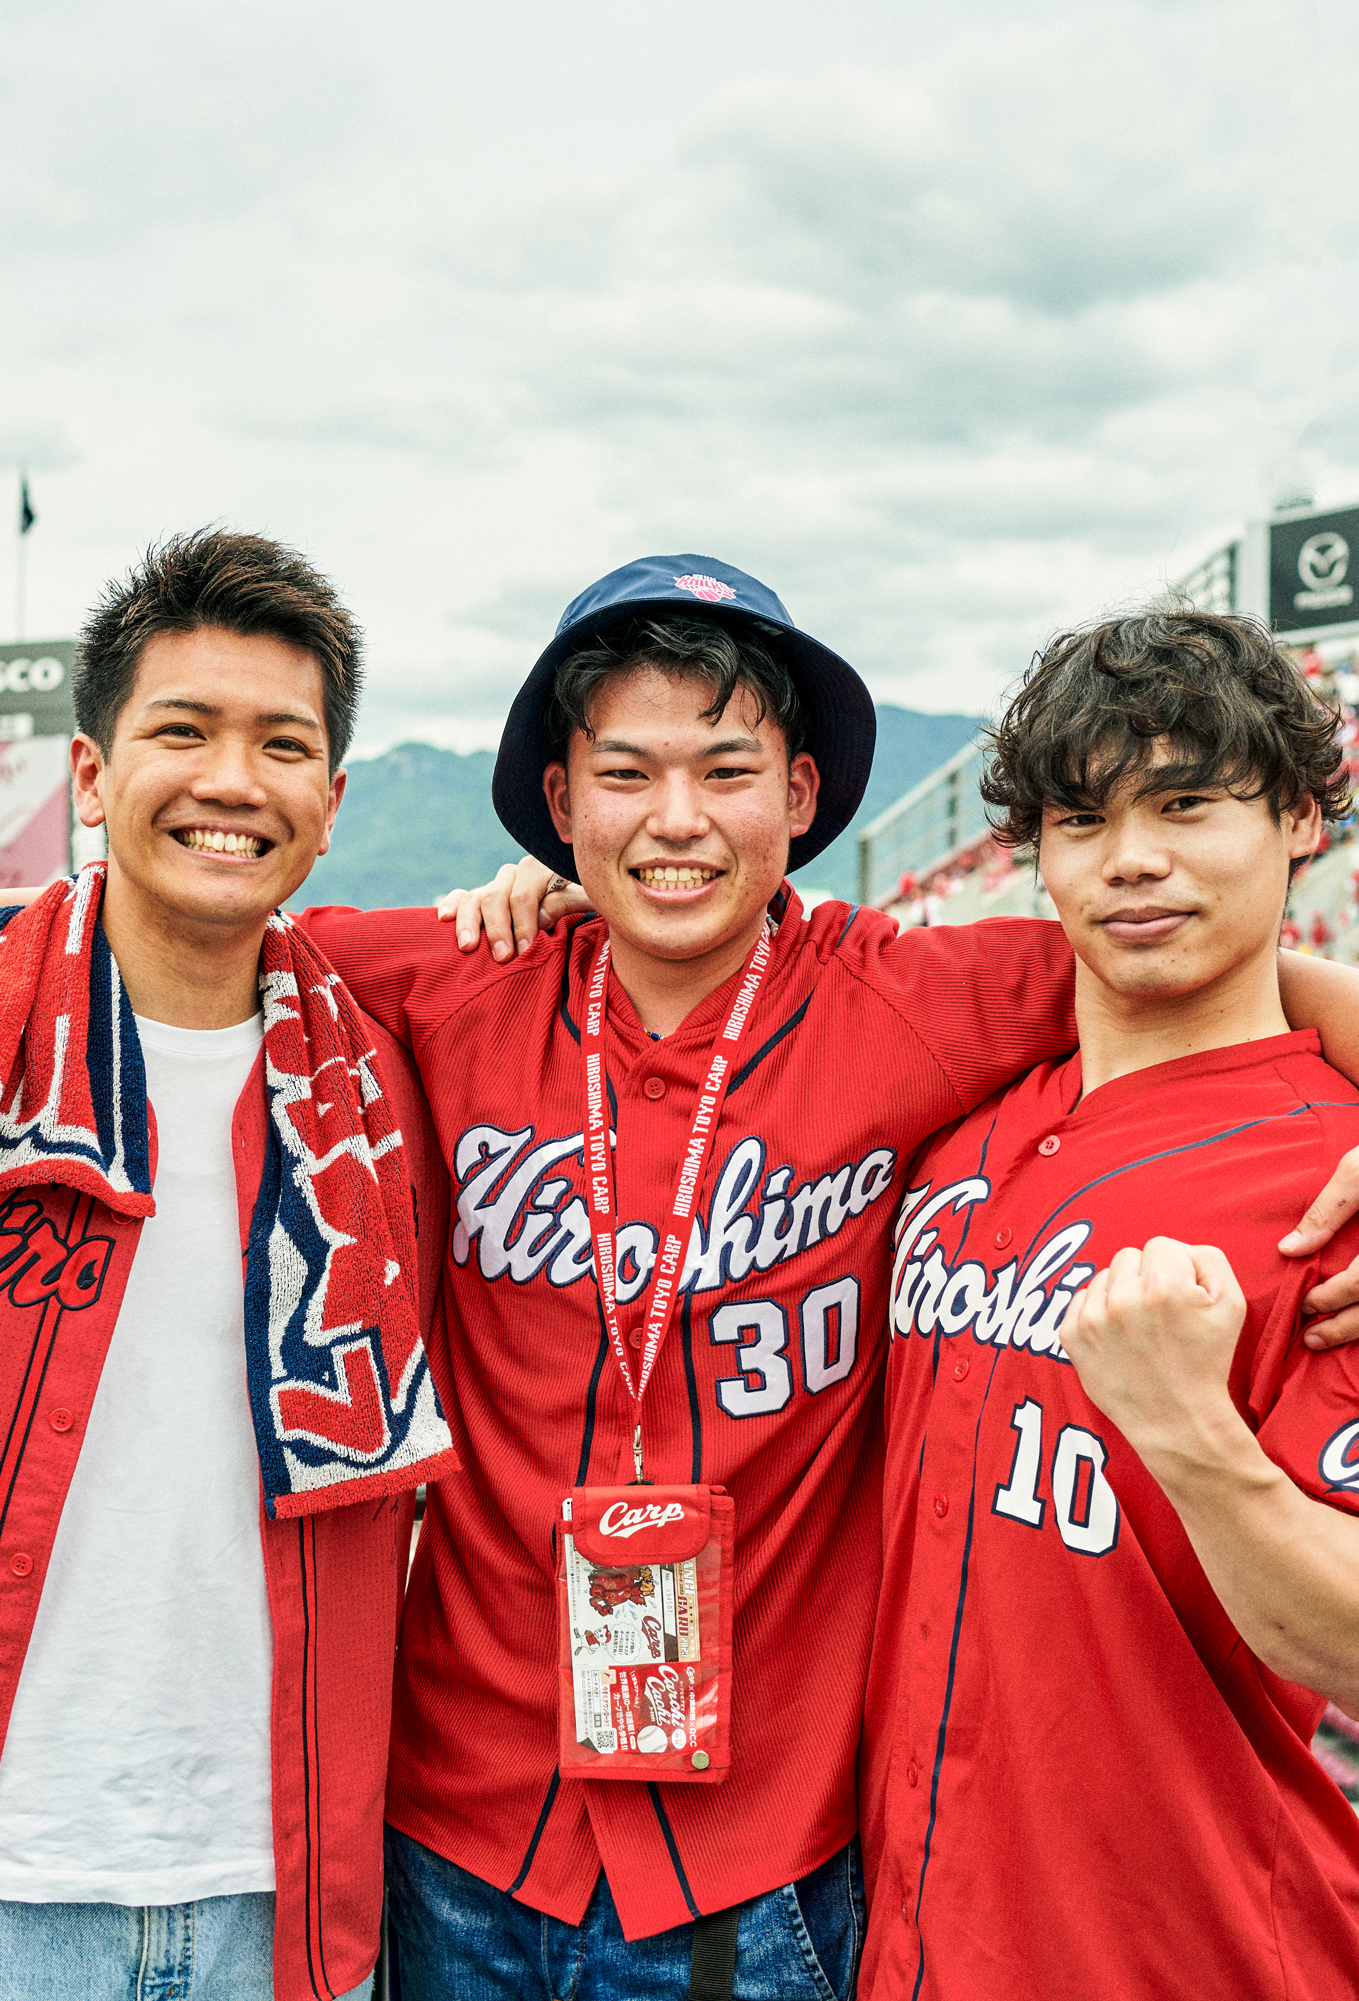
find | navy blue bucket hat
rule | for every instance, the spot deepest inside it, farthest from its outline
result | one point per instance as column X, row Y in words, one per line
column 838, row 717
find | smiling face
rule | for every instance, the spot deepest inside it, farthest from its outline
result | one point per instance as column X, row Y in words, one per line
column 1167, row 893
column 216, row 793
column 680, row 824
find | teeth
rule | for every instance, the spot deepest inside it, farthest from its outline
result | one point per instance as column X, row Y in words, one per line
column 682, row 877
column 216, row 842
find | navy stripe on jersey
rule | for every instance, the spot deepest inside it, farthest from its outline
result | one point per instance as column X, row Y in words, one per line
column 695, row 1414
column 537, row 1833
column 587, row 1437
column 672, row 1845
column 562, row 1009
column 854, row 911
column 532, row 1850
column 937, row 1344
column 765, row 1047
column 952, row 1671
column 1190, row 1146
column 311, row 1753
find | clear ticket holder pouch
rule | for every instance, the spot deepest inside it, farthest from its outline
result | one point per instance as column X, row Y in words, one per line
column 644, row 1593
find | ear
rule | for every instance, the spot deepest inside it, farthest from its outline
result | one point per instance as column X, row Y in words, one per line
column 1302, row 824
column 87, row 780
column 558, row 797
column 333, row 798
column 804, row 784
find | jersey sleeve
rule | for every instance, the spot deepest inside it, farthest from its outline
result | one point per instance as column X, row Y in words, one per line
column 988, row 1000
column 1306, row 1405
column 403, row 967
column 1313, row 1431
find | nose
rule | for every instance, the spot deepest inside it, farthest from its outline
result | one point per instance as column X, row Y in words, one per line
column 676, row 809
column 1134, row 854
column 228, row 776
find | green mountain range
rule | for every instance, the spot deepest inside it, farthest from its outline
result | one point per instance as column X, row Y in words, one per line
column 418, row 821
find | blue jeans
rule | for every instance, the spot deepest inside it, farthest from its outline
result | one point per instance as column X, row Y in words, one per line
column 452, row 1937
column 217, row 1949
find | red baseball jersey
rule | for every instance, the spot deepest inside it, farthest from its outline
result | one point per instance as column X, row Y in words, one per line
column 334, row 1578
column 769, row 1382
column 1077, row 1778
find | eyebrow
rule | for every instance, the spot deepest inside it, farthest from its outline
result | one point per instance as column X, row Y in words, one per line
column 613, row 745
column 214, row 709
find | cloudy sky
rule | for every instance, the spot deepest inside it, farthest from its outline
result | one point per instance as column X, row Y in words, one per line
column 949, row 323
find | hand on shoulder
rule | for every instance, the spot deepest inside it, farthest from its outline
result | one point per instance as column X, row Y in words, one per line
column 523, row 899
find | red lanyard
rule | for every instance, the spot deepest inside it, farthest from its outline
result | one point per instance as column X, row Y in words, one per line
column 663, row 1291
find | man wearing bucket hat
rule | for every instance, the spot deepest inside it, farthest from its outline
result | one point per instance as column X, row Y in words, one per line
column 767, row 1074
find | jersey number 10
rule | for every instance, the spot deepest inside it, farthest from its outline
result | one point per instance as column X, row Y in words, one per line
column 1085, row 1505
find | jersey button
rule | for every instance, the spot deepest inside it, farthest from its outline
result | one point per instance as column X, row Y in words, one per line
column 960, row 1368
column 1050, row 1144
column 61, row 1420
column 654, row 1087
column 21, row 1563
column 1003, row 1236
column 912, row 1775
column 941, row 1505
column 905, row 1910
column 635, row 1338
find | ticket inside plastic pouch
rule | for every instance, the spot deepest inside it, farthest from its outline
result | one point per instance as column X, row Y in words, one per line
column 644, row 1596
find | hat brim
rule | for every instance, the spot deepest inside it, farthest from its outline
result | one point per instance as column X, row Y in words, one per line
column 839, row 730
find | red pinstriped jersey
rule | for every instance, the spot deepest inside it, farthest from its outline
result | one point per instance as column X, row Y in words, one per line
column 769, row 1382
column 1078, row 1780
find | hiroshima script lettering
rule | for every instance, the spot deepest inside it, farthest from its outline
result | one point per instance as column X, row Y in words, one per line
column 523, row 1219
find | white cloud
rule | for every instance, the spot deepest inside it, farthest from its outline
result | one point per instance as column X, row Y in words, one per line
column 950, row 329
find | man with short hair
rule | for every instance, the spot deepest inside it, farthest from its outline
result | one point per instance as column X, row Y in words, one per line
column 215, row 1397
column 1122, row 1564
column 677, row 747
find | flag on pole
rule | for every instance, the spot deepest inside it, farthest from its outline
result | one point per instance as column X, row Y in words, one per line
column 26, row 515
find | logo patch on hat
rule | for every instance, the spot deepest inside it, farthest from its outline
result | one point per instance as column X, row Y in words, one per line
column 707, row 588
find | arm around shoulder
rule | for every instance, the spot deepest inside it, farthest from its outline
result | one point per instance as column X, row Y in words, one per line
column 1316, row 993
column 989, row 999
column 401, row 966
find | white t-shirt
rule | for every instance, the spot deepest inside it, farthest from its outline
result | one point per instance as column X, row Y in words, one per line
column 136, row 1769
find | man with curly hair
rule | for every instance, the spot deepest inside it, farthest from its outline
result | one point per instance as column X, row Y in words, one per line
column 1122, row 1560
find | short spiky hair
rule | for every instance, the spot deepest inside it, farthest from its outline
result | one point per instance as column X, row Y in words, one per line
column 1215, row 687
column 242, row 583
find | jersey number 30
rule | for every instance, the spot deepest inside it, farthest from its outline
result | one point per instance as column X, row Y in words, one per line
column 828, row 1321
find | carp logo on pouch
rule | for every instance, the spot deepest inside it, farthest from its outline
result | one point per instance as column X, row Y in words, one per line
column 1018, row 1306
column 706, row 588
column 618, row 1519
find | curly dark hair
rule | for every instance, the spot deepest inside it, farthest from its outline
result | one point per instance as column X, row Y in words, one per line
column 242, row 583
column 709, row 649
column 1217, row 688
